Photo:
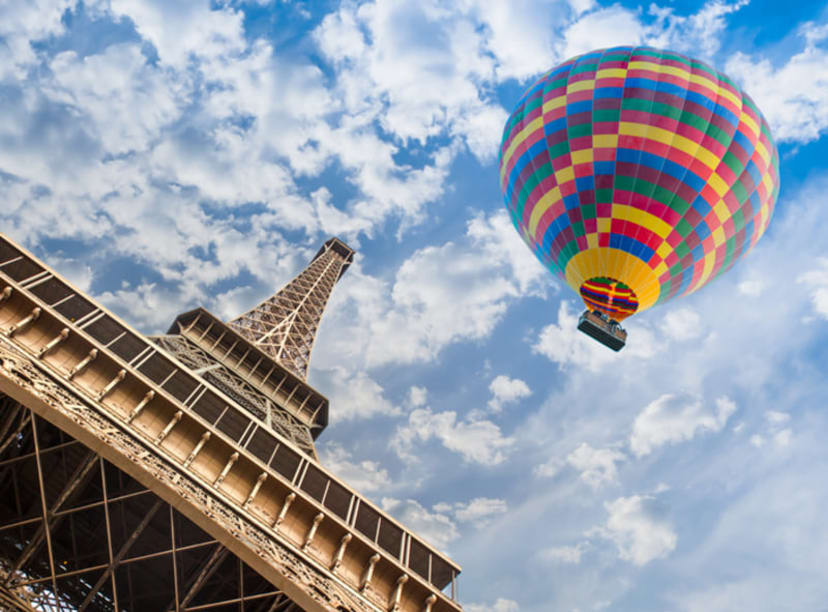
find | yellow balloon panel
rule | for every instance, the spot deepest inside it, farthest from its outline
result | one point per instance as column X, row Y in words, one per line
column 608, row 262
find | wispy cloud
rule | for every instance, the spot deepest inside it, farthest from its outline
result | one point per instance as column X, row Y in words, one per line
column 638, row 534
column 670, row 419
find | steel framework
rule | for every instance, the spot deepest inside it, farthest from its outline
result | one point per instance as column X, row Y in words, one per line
column 285, row 325
column 77, row 533
column 178, row 472
column 235, row 386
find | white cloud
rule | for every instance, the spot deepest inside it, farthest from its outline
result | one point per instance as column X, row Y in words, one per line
column 23, row 22
column 670, row 419
column 477, row 441
column 752, row 287
column 480, row 511
column 521, row 35
column 142, row 166
column 597, row 465
column 477, row 125
column 564, row 554
column 443, row 294
column 118, row 170
column 581, row 6
column 777, row 417
column 499, row 605
column 76, row 270
column 757, row 440
column 793, row 95
column 440, row 295
column 775, row 430
column 681, row 324
column 783, row 437
column 816, row 281
column 549, row 468
column 365, row 476
column 184, row 31
column 354, row 394
column 124, row 101
column 501, row 249
column 699, row 34
column 434, row 527
column 639, row 536
column 608, row 27
column 506, row 391
column 386, row 188
column 433, row 309
column 147, row 305
column 417, row 396
column 419, row 74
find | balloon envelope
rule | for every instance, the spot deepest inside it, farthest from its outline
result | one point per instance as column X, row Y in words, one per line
column 637, row 175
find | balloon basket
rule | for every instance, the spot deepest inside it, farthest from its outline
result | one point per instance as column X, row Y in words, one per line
column 599, row 326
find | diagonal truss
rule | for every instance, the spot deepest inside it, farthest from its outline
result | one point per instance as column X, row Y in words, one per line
column 285, row 325
column 236, row 387
column 81, row 535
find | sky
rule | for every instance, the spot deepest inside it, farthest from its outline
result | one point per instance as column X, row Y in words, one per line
column 166, row 155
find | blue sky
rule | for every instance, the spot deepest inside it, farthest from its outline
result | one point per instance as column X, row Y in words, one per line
column 165, row 155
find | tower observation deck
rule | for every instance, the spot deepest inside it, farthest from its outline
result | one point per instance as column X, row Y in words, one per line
column 178, row 472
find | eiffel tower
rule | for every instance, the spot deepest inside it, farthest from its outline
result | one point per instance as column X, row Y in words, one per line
column 178, row 472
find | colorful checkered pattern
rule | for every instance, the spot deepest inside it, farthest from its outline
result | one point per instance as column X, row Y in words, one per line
column 638, row 165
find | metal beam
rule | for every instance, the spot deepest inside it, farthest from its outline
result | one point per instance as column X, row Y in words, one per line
column 208, row 570
column 45, row 512
column 174, row 560
column 122, row 553
column 238, row 600
column 8, row 403
column 280, row 600
column 51, row 521
column 46, row 451
column 108, row 532
column 10, row 437
column 94, row 568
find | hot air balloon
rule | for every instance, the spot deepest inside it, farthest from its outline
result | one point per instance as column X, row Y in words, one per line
column 637, row 175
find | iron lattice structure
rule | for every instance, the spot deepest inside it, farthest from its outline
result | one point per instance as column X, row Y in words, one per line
column 178, row 472
column 96, row 539
column 285, row 325
column 246, row 394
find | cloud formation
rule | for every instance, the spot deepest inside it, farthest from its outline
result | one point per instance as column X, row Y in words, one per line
column 596, row 465
column 506, row 391
column 441, row 295
column 363, row 475
column 793, row 94
column 639, row 536
column 670, row 419
column 478, row 440
column 564, row 554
